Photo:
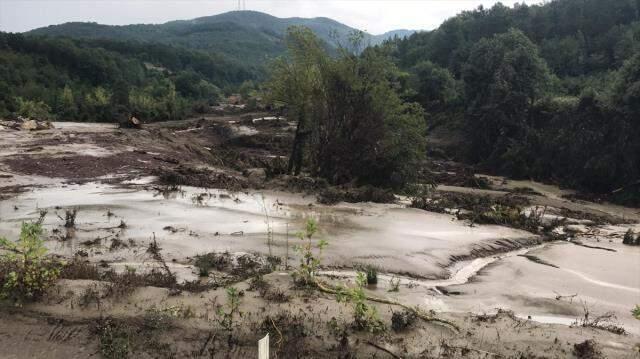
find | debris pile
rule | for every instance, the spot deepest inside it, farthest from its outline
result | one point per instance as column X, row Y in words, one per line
column 26, row 124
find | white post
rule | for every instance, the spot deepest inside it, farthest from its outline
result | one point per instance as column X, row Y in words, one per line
column 263, row 348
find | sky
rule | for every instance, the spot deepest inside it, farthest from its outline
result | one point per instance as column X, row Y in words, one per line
column 374, row 16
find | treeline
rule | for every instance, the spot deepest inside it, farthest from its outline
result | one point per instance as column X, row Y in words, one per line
column 103, row 80
column 549, row 92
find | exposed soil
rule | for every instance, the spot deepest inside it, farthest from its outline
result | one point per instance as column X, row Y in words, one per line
column 171, row 214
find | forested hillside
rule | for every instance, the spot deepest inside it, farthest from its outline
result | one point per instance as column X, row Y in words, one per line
column 549, row 91
column 99, row 80
column 248, row 37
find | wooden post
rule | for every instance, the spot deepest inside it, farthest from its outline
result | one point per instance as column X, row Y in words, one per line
column 263, row 348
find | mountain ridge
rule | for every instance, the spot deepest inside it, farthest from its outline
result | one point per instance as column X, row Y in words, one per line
column 250, row 37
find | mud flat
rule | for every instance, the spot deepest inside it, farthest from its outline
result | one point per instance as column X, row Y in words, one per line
column 191, row 221
column 510, row 293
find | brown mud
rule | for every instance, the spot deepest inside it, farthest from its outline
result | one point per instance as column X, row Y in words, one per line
column 213, row 191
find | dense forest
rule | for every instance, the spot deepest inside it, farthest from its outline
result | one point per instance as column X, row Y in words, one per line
column 249, row 38
column 100, row 80
column 549, row 92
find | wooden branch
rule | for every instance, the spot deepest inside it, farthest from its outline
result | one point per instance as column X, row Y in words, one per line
column 417, row 312
column 384, row 349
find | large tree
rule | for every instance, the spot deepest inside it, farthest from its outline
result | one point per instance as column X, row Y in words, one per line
column 504, row 75
column 352, row 124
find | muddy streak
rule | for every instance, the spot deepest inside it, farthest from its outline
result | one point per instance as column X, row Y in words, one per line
column 460, row 272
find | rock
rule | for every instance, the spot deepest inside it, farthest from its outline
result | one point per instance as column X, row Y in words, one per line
column 29, row 125
column 256, row 175
column 33, row 125
column 10, row 124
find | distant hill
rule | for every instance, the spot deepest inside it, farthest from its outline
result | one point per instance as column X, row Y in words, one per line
column 402, row 33
column 249, row 37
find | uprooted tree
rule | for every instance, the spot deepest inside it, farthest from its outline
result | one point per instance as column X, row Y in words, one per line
column 352, row 124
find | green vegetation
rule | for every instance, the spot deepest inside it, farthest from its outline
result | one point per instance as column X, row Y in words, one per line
column 636, row 312
column 114, row 339
column 245, row 37
column 371, row 271
column 352, row 124
column 305, row 274
column 25, row 271
column 365, row 316
column 547, row 91
column 226, row 318
column 101, row 80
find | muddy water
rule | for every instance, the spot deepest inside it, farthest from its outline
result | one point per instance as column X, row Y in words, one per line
column 396, row 239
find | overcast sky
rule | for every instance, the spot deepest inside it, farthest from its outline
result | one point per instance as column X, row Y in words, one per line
column 374, row 16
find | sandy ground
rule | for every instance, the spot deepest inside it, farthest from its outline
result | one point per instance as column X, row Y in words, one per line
column 444, row 265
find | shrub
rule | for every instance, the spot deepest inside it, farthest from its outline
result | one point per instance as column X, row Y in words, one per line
column 33, row 109
column 628, row 237
column 226, row 318
column 636, row 312
column 394, row 284
column 24, row 269
column 402, row 320
column 206, row 262
column 114, row 338
column 309, row 261
column 365, row 316
column 371, row 272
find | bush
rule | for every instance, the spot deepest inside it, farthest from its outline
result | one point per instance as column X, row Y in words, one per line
column 629, row 238
column 370, row 271
column 24, row 270
column 365, row 316
column 402, row 320
column 226, row 318
column 206, row 262
column 114, row 338
column 32, row 109
column 309, row 261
